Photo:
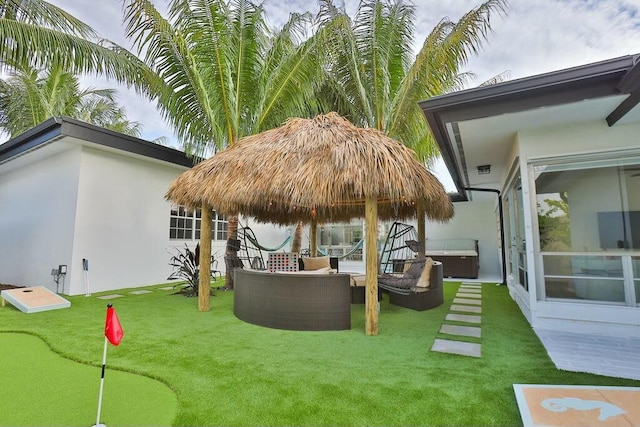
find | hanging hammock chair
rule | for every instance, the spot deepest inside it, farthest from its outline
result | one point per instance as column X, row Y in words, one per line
column 400, row 245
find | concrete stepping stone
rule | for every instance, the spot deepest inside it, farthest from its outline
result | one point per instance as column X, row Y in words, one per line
column 167, row 288
column 471, row 284
column 463, row 295
column 465, row 331
column 470, row 290
column 466, row 308
column 112, row 296
column 467, row 301
column 141, row 292
column 468, row 318
column 456, row 347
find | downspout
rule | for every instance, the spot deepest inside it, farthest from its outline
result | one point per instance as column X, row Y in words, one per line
column 502, row 246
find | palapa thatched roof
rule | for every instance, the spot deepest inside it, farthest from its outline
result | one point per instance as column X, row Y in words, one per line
column 323, row 167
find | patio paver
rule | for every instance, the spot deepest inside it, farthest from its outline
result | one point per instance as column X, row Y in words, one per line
column 112, row 296
column 141, row 292
column 456, row 347
column 468, row 318
column 467, row 301
column 470, row 290
column 465, row 331
column 461, row 294
column 466, row 308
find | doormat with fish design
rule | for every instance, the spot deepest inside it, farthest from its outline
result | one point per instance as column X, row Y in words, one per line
column 567, row 406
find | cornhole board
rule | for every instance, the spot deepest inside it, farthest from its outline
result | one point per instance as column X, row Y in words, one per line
column 567, row 405
column 33, row 299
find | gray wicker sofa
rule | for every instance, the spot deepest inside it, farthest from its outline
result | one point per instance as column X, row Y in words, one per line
column 294, row 301
column 421, row 300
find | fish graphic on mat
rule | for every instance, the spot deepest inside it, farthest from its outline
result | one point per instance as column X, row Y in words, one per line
column 607, row 410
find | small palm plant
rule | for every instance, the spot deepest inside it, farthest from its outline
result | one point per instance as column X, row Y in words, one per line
column 186, row 267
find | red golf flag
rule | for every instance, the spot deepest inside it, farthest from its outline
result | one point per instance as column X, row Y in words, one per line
column 112, row 329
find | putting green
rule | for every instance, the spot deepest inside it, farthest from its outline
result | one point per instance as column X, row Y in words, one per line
column 39, row 387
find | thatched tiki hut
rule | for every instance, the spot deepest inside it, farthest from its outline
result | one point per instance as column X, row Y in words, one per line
column 316, row 170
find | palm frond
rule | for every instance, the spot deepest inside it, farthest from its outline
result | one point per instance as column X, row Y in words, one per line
column 347, row 65
column 29, row 44
column 435, row 71
column 43, row 14
column 29, row 97
column 502, row 77
column 183, row 98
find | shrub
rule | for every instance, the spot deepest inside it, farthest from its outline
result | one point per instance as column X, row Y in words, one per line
column 185, row 267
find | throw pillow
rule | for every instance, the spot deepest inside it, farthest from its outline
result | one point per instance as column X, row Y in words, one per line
column 425, row 278
column 315, row 263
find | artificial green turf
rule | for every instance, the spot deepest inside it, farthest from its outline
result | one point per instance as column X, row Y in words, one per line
column 40, row 388
column 227, row 372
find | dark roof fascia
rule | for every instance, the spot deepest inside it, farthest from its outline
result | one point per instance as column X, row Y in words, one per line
column 438, row 129
column 631, row 81
column 558, row 87
column 555, row 88
column 39, row 135
column 65, row 126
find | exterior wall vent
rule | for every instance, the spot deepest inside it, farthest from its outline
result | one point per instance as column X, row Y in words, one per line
column 484, row 169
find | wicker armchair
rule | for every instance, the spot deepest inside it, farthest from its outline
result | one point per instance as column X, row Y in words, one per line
column 420, row 293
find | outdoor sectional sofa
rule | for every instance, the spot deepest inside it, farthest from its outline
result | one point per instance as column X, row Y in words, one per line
column 304, row 301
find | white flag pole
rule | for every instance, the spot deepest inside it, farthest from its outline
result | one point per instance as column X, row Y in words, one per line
column 104, row 363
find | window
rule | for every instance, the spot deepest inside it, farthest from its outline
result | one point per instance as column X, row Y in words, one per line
column 181, row 223
column 184, row 224
column 589, row 227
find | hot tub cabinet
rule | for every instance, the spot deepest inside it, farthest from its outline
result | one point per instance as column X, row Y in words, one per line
column 459, row 257
column 293, row 301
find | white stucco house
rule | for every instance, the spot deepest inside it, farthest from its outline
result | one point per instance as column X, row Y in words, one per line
column 554, row 159
column 70, row 191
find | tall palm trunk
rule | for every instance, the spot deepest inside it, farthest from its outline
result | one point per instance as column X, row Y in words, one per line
column 232, row 234
column 296, row 243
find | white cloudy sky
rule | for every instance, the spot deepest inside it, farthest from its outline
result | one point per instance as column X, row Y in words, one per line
column 534, row 37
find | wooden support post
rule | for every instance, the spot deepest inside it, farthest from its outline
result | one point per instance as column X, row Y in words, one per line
column 204, row 282
column 422, row 235
column 371, row 265
column 313, row 237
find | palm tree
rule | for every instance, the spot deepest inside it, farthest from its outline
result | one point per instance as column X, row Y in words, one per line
column 29, row 97
column 34, row 33
column 226, row 75
column 375, row 79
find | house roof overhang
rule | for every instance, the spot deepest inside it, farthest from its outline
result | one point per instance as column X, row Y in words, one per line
column 60, row 128
column 476, row 127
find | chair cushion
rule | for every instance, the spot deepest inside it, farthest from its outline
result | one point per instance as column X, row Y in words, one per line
column 396, row 281
column 315, row 263
column 323, row 270
column 358, row 280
